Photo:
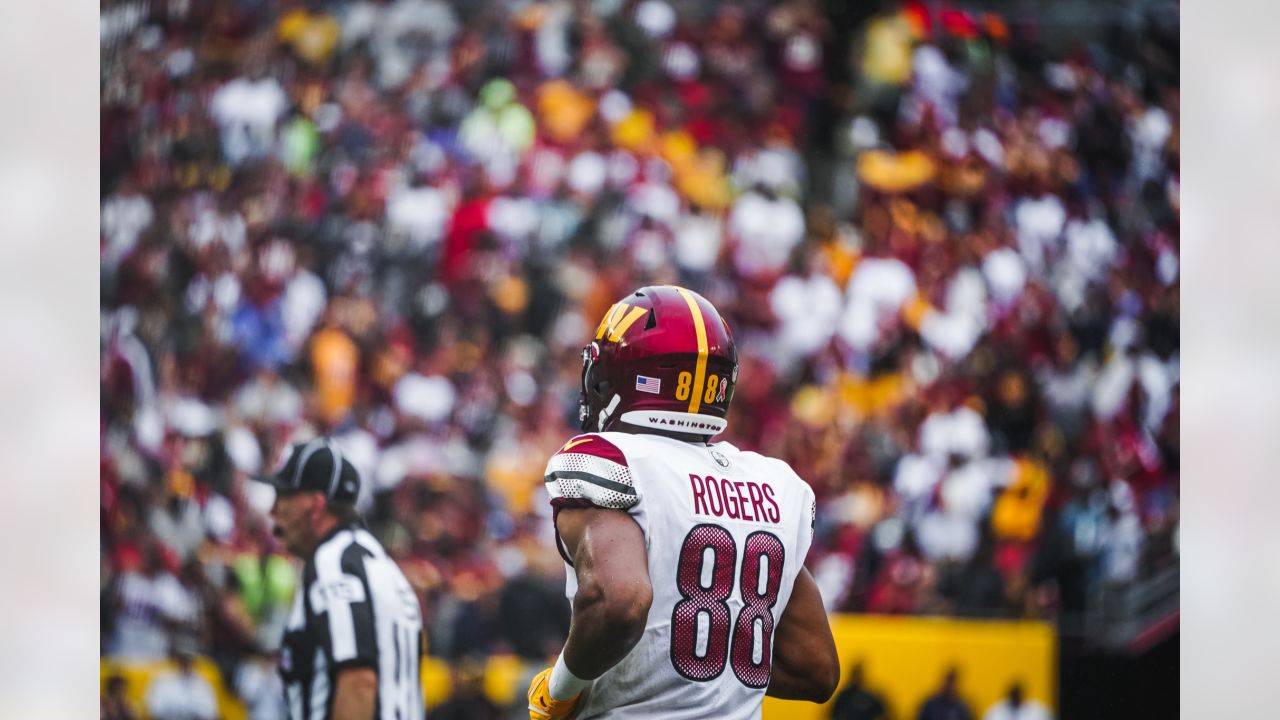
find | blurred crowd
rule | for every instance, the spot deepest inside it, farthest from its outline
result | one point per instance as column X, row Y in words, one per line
column 947, row 248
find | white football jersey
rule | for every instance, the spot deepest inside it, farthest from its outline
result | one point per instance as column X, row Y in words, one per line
column 727, row 532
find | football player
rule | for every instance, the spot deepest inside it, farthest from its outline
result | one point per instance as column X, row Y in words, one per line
column 686, row 556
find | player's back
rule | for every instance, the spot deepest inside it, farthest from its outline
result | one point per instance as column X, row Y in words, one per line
column 726, row 532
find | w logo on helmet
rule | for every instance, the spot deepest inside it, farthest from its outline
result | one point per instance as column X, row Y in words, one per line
column 618, row 321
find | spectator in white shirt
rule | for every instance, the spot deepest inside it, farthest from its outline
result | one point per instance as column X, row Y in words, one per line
column 401, row 35
column 1089, row 252
column 765, row 228
column 875, row 294
column 1039, row 222
column 1016, row 707
column 183, row 694
column 1006, row 274
column 148, row 602
column 420, row 213
column 807, row 308
column 267, row 400
column 958, row 431
column 1122, row 536
column 955, row 329
column 257, row 682
column 1129, row 365
column 246, row 110
column 222, row 223
column 698, row 237
column 179, row 522
column 1067, row 386
column 303, row 301
column 937, row 82
column 125, row 216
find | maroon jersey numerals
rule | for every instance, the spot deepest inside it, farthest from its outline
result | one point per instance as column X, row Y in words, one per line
column 757, row 606
column 699, row 599
column 759, row 584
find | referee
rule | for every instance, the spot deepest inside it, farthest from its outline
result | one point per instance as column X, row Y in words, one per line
column 352, row 648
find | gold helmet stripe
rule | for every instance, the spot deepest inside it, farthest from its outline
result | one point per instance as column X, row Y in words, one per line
column 700, row 370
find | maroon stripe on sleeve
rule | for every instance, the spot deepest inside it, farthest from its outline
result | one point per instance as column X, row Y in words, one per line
column 596, row 446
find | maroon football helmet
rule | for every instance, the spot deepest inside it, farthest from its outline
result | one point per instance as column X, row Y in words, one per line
column 662, row 359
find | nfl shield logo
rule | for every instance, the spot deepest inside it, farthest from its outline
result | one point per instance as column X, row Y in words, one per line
column 720, row 459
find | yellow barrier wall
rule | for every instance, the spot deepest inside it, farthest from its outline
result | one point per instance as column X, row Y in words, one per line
column 904, row 660
column 140, row 675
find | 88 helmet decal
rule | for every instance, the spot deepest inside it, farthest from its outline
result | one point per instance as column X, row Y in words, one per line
column 662, row 359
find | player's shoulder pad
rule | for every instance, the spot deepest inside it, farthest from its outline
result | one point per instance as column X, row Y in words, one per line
column 781, row 467
column 595, row 445
column 591, row 470
column 784, row 470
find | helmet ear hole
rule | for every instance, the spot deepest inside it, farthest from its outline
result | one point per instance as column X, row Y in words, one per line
column 652, row 322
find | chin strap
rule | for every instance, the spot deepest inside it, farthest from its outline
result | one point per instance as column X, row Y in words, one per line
column 606, row 413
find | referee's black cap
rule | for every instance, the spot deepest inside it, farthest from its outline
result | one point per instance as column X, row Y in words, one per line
column 316, row 466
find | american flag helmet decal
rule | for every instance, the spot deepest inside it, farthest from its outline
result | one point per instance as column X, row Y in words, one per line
column 644, row 383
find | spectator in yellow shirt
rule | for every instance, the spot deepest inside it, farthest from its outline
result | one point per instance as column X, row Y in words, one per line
column 335, row 362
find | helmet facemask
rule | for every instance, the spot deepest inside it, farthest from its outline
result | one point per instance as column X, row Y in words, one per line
column 597, row 399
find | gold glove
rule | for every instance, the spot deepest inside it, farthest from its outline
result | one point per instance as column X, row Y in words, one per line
column 544, row 707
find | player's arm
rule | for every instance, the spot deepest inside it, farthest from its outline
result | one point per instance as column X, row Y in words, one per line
column 614, row 593
column 593, row 489
column 609, row 610
column 355, row 694
column 805, row 664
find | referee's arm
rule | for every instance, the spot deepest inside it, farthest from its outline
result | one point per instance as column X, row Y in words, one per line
column 355, row 694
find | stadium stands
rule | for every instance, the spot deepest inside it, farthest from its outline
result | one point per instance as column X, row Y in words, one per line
column 948, row 253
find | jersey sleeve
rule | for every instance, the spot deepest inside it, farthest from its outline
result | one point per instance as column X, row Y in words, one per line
column 809, row 523
column 807, row 508
column 590, row 471
column 343, row 607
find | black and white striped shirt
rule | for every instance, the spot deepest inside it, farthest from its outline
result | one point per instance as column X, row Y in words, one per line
column 354, row 609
